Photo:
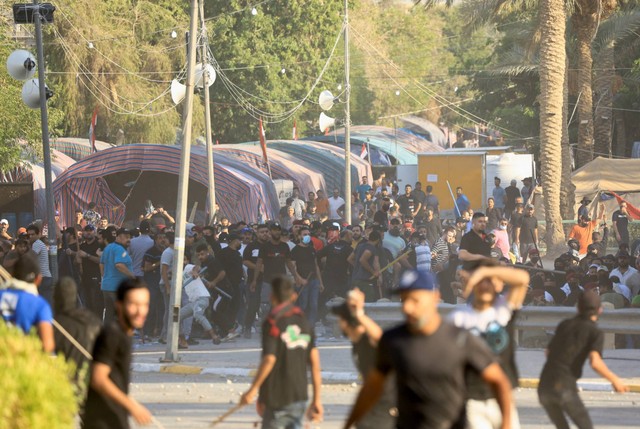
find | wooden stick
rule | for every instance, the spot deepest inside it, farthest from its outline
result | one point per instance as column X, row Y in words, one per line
column 232, row 410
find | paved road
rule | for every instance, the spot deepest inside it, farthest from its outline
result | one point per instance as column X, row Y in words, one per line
column 194, row 401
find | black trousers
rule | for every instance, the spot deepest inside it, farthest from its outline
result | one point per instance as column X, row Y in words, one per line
column 562, row 401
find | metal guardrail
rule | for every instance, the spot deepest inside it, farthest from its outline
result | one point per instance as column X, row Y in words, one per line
column 623, row 321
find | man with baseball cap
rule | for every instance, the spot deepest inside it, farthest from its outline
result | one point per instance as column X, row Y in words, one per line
column 116, row 266
column 429, row 359
column 575, row 340
column 4, row 230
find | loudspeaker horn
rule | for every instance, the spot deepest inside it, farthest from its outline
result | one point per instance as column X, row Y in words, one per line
column 326, row 100
column 211, row 77
column 178, row 91
column 325, row 122
column 21, row 65
column 31, row 93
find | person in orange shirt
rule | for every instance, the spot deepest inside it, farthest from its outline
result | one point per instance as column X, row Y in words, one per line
column 584, row 229
column 322, row 205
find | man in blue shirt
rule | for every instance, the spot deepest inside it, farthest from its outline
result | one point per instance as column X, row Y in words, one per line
column 499, row 194
column 20, row 304
column 363, row 188
column 116, row 266
column 462, row 202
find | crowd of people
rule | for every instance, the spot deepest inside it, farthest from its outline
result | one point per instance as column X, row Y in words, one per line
column 276, row 279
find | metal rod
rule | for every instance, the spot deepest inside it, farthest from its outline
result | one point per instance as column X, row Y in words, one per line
column 347, row 121
column 207, row 116
column 52, row 226
column 173, row 329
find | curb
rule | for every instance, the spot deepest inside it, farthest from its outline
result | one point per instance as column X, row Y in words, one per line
column 335, row 377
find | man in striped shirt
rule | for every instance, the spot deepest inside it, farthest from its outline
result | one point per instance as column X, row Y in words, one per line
column 42, row 255
column 440, row 251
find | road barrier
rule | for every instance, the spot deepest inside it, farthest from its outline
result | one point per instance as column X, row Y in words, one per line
column 623, row 321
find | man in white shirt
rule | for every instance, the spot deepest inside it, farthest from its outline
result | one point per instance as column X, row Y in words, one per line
column 42, row 254
column 624, row 270
column 198, row 301
column 336, row 206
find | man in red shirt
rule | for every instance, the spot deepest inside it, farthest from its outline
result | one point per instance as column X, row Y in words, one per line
column 584, row 229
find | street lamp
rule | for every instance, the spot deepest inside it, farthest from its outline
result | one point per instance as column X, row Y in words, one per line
column 35, row 93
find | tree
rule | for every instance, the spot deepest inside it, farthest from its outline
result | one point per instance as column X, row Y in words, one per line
column 552, row 75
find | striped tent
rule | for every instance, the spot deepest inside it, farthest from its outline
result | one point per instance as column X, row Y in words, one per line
column 240, row 196
column 283, row 166
column 77, row 148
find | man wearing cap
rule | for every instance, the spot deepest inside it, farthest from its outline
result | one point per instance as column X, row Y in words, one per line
column 527, row 232
column 139, row 246
column 491, row 316
column 620, row 219
column 4, row 230
column 583, row 210
column 429, row 359
column 527, row 189
column 499, row 194
column 511, row 193
column 116, row 266
column 575, row 340
column 90, row 279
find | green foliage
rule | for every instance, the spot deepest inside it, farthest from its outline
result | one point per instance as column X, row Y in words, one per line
column 20, row 133
column 36, row 388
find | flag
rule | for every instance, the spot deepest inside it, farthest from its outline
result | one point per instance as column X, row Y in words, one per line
column 634, row 212
column 295, row 131
column 363, row 151
column 92, row 130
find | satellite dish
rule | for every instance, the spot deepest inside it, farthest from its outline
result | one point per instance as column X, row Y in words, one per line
column 31, row 93
column 326, row 100
column 325, row 122
column 211, row 75
column 21, row 65
column 178, row 91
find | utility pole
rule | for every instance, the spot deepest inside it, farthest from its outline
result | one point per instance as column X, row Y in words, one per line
column 173, row 330
column 207, row 115
column 347, row 119
column 52, row 226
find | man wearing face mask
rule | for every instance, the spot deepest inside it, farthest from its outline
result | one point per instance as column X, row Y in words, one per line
column 502, row 237
column 309, row 281
column 381, row 217
column 429, row 359
column 474, row 246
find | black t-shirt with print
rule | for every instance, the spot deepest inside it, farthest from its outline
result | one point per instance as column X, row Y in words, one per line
column 90, row 269
column 430, row 372
column 112, row 348
column 570, row 347
column 274, row 258
column 251, row 254
column 305, row 259
column 286, row 334
column 528, row 225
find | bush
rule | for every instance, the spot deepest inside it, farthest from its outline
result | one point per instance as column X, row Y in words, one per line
column 36, row 392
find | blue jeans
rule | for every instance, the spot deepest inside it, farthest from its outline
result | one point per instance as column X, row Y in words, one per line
column 288, row 417
column 308, row 300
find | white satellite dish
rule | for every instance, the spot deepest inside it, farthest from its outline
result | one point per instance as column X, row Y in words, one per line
column 211, row 75
column 325, row 122
column 326, row 100
column 31, row 93
column 178, row 91
column 21, row 65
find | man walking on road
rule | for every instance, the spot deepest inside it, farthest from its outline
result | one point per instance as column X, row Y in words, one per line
column 429, row 359
column 288, row 350
column 576, row 339
column 108, row 402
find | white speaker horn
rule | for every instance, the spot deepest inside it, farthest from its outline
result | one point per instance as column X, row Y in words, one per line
column 178, row 91
column 211, row 75
column 31, row 93
column 325, row 122
column 326, row 100
column 21, row 65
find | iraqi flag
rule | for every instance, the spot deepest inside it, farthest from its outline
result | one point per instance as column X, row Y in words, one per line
column 295, row 131
column 634, row 212
column 92, row 130
column 263, row 143
column 364, row 152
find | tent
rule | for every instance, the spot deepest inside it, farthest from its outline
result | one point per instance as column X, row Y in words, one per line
column 426, row 128
column 121, row 179
column 77, row 148
column 604, row 174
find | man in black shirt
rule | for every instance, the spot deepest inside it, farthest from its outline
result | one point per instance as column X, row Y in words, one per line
column 575, row 340
column 249, row 259
column 90, row 279
column 151, row 276
column 231, row 260
column 512, row 192
column 527, row 232
column 381, row 217
column 310, row 283
column 366, row 267
column 409, row 205
column 108, row 403
column 429, row 359
column 433, row 228
column 474, row 246
column 335, row 275
column 288, row 350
